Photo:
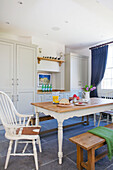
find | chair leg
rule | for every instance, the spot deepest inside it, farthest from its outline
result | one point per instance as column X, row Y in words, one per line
column 107, row 118
column 8, row 154
column 35, row 154
column 15, row 147
column 112, row 118
column 39, row 143
column 99, row 119
column 94, row 119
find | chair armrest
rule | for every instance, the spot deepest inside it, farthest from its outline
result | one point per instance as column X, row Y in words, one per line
column 22, row 115
column 12, row 129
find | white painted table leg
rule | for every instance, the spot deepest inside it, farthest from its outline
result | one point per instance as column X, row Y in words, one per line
column 94, row 119
column 60, row 141
column 37, row 117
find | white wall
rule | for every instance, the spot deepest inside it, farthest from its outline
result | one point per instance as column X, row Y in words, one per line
column 23, row 39
column 83, row 51
column 50, row 48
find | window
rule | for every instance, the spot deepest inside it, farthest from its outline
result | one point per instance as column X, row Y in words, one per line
column 107, row 82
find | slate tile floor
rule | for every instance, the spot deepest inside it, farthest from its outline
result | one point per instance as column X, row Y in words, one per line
column 48, row 159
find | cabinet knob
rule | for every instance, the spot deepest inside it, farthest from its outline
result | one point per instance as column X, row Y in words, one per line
column 17, row 97
column 17, row 82
column 12, row 81
column 12, row 98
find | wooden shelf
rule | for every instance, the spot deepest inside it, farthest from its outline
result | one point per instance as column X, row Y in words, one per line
column 48, row 59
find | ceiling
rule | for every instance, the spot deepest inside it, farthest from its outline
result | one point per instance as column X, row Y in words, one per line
column 75, row 23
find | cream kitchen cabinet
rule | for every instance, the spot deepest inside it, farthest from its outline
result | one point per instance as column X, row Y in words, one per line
column 76, row 71
column 26, row 61
column 40, row 98
column 18, row 73
column 44, row 97
column 6, row 67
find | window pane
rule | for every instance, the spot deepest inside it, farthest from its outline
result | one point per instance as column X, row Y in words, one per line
column 109, row 62
column 107, row 82
column 112, row 73
column 108, row 73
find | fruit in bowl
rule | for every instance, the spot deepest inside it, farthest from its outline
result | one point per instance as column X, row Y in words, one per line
column 75, row 98
column 78, row 98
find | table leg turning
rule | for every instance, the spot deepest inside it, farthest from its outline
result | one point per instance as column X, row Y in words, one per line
column 37, row 117
column 60, row 141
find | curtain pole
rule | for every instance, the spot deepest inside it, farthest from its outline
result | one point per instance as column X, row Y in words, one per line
column 101, row 45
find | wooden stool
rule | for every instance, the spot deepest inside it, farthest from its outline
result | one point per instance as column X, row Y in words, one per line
column 89, row 142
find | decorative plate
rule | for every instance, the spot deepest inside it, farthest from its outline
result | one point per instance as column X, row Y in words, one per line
column 80, row 104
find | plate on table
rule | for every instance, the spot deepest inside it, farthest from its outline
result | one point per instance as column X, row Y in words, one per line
column 80, row 104
column 65, row 105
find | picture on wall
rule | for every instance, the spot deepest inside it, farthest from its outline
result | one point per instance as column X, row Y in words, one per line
column 44, row 79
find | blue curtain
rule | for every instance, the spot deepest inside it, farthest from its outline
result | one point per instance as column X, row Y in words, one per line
column 99, row 60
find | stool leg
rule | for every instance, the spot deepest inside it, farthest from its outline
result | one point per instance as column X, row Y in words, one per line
column 91, row 159
column 79, row 157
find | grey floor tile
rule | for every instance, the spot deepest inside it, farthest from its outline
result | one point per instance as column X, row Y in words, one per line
column 67, row 165
column 17, row 163
column 110, row 167
column 3, row 148
column 2, row 136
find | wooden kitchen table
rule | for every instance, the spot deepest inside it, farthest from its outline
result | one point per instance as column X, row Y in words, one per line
column 95, row 105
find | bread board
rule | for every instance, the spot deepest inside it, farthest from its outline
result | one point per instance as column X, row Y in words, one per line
column 78, row 104
column 65, row 105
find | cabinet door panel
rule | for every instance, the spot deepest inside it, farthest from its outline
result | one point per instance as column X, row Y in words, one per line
column 74, row 74
column 84, row 75
column 24, row 102
column 60, row 96
column 6, row 67
column 25, row 77
column 48, row 97
column 40, row 98
column 25, row 67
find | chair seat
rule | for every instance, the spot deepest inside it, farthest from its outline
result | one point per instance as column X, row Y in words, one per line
column 29, row 133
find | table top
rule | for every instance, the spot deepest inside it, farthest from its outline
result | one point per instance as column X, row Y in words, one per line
column 94, row 102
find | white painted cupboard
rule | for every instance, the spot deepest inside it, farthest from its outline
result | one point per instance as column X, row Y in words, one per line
column 76, row 71
column 18, row 73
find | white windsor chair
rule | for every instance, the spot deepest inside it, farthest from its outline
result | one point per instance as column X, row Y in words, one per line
column 18, row 131
column 107, row 95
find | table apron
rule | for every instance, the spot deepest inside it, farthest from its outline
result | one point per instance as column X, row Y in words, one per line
column 78, row 113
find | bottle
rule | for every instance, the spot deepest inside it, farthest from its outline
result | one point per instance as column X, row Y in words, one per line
column 45, row 88
column 50, row 87
column 42, row 87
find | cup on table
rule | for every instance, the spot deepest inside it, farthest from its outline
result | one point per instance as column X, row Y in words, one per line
column 55, row 96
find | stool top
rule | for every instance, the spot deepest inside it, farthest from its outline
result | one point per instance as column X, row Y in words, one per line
column 88, row 140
